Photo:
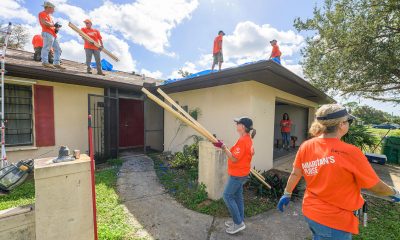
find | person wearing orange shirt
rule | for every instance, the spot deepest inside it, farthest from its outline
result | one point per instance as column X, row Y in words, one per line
column 239, row 159
column 37, row 43
column 276, row 53
column 91, row 49
column 286, row 125
column 49, row 34
column 335, row 172
column 218, row 57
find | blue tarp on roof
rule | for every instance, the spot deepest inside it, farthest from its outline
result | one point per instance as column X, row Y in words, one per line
column 105, row 65
column 205, row 72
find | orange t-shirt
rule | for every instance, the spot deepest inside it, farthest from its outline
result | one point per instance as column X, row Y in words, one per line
column 285, row 126
column 275, row 51
column 45, row 16
column 335, row 172
column 93, row 34
column 37, row 41
column 217, row 46
column 243, row 151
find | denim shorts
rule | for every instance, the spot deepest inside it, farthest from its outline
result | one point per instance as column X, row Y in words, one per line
column 322, row 232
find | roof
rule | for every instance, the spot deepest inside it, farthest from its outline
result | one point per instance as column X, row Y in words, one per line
column 266, row 72
column 20, row 63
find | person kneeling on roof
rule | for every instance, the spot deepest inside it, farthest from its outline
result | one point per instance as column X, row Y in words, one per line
column 91, row 49
column 276, row 53
column 37, row 43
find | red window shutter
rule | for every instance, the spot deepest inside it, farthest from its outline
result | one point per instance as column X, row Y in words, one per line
column 44, row 116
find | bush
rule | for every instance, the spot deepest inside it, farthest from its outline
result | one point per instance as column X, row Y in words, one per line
column 189, row 157
column 360, row 136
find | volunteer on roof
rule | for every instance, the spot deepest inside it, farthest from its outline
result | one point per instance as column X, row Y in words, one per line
column 49, row 34
column 91, row 49
column 218, row 57
column 37, row 43
column 276, row 53
column 335, row 172
column 239, row 158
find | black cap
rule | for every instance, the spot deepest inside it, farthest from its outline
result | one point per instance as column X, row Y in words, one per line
column 221, row 32
column 247, row 122
column 273, row 41
column 337, row 114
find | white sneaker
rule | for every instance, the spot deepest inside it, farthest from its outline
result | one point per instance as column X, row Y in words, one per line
column 236, row 228
column 228, row 223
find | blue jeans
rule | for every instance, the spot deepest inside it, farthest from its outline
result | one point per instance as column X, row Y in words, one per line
column 321, row 232
column 50, row 42
column 233, row 197
column 286, row 138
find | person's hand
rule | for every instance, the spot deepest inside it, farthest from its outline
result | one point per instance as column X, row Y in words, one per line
column 284, row 201
column 219, row 144
column 101, row 48
column 396, row 196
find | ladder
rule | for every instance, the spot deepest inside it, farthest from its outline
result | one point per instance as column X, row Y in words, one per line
column 7, row 32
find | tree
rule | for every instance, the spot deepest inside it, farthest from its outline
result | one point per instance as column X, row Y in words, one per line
column 356, row 48
column 19, row 37
column 184, row 73
column 370, row 115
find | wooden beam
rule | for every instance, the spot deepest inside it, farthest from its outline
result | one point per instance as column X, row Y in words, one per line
column 89, row 39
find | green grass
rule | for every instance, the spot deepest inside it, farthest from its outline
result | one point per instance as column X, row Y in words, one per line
column 112, row 221
column 22, row 195
column 383, row 221
column 183, row 186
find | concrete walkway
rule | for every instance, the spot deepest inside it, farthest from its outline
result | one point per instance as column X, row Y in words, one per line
column 156, row 215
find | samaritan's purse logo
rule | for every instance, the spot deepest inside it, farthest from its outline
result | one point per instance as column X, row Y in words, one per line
column 311, row 168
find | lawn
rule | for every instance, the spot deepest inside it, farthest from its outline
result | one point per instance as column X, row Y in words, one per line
column 111, row 219
column 380, row 133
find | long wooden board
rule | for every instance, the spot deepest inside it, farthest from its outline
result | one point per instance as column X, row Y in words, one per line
column 89, row 39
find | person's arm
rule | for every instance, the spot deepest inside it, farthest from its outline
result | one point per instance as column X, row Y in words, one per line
column 228, row 153
column 293, row 180
column 44, row 22
column 382, row 189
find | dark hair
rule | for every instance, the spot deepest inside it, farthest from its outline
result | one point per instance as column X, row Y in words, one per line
column 253, row 132
column 287, row 115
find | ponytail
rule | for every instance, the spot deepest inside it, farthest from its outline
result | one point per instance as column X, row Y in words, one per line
column 253, row 133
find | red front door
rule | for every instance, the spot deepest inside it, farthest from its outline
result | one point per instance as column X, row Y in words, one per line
column 131, row 123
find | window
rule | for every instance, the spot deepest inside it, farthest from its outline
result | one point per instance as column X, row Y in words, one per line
column 18, row 113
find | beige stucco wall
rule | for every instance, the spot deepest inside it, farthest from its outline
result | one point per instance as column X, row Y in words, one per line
column 219, row 105
column 70, row 121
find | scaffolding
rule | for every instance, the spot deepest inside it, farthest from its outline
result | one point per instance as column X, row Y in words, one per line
column 6, row 31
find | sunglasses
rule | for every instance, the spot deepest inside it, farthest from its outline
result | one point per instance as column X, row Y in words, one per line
column 350, row 121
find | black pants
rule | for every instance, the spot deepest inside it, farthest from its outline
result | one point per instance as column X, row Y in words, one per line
column 38, row 52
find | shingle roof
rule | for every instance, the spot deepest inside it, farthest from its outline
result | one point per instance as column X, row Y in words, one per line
column 20, row 63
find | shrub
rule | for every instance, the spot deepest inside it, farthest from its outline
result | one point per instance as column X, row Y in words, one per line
column 360, row 136
column 189, row 157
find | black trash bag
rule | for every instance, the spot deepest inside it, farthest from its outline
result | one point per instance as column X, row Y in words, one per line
column 15, row 174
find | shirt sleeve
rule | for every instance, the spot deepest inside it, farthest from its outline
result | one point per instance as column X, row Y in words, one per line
column 364, row 173
column 238, row 150
column 299, row 158
column 99, row 35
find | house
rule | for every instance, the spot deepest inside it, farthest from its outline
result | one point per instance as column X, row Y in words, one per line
column 263, row 91
column 47, row 108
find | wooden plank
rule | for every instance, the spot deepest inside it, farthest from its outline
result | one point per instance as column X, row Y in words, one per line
column 89, row 39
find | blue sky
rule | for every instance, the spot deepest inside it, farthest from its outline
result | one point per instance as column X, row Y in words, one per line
column 158, row 37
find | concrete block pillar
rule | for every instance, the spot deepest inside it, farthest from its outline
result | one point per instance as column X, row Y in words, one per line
column 212, row 169
column 63, row 206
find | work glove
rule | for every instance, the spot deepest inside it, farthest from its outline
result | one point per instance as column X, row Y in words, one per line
column 218, row 144
column 285, row 199
column 396, row 196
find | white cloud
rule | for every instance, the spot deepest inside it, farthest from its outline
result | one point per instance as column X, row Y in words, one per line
column 12, row 9
column 145, row 22
column 156, row 74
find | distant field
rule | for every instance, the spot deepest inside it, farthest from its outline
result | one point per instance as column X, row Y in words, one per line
column 379, row 133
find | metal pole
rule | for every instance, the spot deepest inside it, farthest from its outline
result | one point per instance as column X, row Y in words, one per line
column 4, row 161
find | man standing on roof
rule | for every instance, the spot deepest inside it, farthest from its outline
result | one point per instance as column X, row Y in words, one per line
column 49, row 34
column 218, row 58
column 91, row 49
column 37, row 43
column 276, row 53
